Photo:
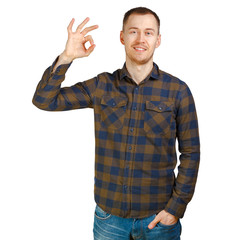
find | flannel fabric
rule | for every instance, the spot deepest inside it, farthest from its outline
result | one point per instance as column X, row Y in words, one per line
column 136, row 127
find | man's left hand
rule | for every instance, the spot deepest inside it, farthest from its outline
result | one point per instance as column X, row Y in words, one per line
column 165, row 218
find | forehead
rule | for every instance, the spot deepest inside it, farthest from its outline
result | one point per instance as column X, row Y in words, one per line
column 141, row 21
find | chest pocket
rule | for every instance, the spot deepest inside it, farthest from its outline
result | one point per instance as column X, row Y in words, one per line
column 112, row 111
column 157, row 117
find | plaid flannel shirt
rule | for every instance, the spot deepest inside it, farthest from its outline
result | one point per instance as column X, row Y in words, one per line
column 136, row 127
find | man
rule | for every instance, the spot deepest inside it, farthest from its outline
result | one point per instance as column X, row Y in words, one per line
column 139, row 113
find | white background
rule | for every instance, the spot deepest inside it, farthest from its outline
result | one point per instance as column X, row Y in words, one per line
column 47, row 158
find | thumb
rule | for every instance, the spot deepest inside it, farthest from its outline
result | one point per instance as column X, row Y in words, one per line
column 153, row 223
column 90, row 49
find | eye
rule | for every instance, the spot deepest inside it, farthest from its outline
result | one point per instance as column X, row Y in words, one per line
column 148, row 33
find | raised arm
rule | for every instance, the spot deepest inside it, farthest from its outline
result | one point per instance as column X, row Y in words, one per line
column 49, row 95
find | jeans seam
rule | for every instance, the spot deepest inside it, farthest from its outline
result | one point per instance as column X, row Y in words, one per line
column 101, row 218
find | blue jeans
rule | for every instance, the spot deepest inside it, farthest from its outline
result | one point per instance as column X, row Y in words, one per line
column 111, row 227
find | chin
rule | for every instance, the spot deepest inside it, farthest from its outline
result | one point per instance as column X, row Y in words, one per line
column 139, row 60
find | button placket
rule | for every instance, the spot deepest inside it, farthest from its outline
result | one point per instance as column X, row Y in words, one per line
column 130, row 147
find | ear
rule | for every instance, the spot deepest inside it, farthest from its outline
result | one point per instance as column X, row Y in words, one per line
column 158, row 41
column 122, row 37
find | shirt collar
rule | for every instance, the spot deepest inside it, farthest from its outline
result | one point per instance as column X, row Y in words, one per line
column 155, row 73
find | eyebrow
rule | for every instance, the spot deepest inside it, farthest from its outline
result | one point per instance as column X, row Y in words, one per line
column 145, row 28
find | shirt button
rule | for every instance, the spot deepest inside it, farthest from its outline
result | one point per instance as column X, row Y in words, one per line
column 134, row 108
column 113, row 103
column 130, row 147
column 131, row 129
column 160, row 108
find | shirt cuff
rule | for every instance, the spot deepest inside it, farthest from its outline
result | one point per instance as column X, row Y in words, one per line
column 61, row 69
column 176, row 207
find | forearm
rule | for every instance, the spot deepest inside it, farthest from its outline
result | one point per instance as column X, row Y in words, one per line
column 50, row 96
column 62, row 59
column 184, row 183
column 47, row 94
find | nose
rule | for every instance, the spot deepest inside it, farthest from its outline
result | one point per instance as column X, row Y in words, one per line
column 140, row 37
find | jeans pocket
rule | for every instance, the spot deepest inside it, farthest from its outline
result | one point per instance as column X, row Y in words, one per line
column 101, row 214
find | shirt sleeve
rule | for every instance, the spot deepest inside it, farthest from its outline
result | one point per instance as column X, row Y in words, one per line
column 189, row 148
column 50, row 96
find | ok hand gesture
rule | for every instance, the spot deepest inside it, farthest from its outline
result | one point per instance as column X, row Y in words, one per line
column 75, row 46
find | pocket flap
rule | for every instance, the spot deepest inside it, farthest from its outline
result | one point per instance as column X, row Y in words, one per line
column 113, row 101
column 159, row 106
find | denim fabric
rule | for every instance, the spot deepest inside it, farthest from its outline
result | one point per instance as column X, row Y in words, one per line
column 111, row 227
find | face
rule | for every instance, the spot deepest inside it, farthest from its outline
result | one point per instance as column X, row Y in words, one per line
column 140, row 38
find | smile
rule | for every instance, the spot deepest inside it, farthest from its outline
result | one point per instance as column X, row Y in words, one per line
column 139, row 49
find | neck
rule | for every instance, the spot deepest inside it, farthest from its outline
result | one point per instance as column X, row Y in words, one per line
column 139, row 72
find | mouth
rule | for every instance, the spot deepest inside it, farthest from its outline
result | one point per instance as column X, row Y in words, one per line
column 139, row 49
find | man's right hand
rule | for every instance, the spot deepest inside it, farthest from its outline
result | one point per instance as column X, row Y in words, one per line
column 75, row 46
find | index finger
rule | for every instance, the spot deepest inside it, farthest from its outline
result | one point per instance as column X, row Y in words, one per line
column 80, row 26
column 88, row 29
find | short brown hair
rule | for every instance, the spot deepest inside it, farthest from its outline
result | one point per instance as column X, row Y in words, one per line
column 140, row 11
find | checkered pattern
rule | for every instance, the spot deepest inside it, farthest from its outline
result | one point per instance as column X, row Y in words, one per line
column 136, row 127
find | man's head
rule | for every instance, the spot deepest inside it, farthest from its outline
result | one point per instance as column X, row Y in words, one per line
column 140, row 11
column 140, row 35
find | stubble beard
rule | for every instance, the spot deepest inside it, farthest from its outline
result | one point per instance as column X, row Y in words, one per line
column 140, row 61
